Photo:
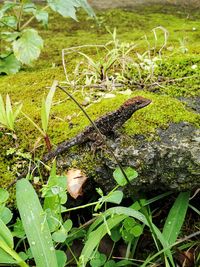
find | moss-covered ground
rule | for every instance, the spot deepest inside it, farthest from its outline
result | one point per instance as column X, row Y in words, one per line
column 180, row 63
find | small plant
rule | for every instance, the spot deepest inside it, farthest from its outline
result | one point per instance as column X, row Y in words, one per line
column 21, row 44
column 45, row 112
column 7, row 115
column 120, row 64
column 46, row 228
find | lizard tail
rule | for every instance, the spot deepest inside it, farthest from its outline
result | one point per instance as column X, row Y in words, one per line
column 62, row 147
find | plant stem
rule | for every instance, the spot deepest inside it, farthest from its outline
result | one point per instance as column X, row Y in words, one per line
column 32, row 18
column 19, row 17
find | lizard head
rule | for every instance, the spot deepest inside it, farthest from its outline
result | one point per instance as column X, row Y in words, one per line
column 136, row 103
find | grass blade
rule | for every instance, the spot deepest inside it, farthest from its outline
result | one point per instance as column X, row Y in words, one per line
column 2, row 112
column 176, row 218
column 35, row 225
column 9, row 113
column 46, row 106
column 117, row 215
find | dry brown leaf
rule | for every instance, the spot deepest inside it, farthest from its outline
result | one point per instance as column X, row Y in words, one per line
column 75, row 181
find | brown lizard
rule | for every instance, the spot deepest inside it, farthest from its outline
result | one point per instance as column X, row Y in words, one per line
column 107, row 124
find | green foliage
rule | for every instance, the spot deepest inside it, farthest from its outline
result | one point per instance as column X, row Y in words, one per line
column 35, row 225
column 22, row 45
column 27, row 47
column 45, row 112
column 7, row 115
column 173, row 222
column 121, row 223
column 46, row 107
column 119, row 177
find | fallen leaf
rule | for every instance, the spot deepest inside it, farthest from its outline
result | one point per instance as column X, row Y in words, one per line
column 75, row 181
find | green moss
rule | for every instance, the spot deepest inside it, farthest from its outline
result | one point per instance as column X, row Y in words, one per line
column 31, row 84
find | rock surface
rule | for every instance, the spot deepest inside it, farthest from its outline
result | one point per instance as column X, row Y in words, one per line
column 170, row 162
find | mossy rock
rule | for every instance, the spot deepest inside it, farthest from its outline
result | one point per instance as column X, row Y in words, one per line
column 174, row 101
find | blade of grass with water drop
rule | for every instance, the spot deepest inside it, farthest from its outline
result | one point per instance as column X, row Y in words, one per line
column 176, row 218
column 35, row 225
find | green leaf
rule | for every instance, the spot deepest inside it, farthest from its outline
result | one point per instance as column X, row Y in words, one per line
column 9, row 65
column 46, row 106
column 114, row 197
column 35, row 225
column 6, row 215
column 124, row 263
column 110, row 263
column 115, row 234
column 176, row 217
column 27, row 47
column 9, row 113
column 18, row 229
column 98, row 260
column 60, row 235
column 67, row 225
column 44, row 116
column 117, row 215
column 9, row 36
column 119, row 177
column 4, row 195
column 9, row 21
column 7, row 6
column 61, row 258
column 42, row 16
column 5, row 234
column 67, row 8
column 137, row 230
column 29, row 8
column 3, row 120
column 5, row 258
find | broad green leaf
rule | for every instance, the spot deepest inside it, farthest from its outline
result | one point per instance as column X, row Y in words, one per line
column 27, row 47
column 18, row 229
column 137, row 230
column 5, row 215
column 29, row 8
column 9, row 21
column 176, row 217
column 35, row 225
column 98, row 260
column 62, row 233
column 9, row 36
column 61, row 258
column 4, row 195
column 59, row 236
column 114, row 197
column 67, row 8
column 119, row 177
column 42, row 16
column 7, row 6
column 9, row 65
